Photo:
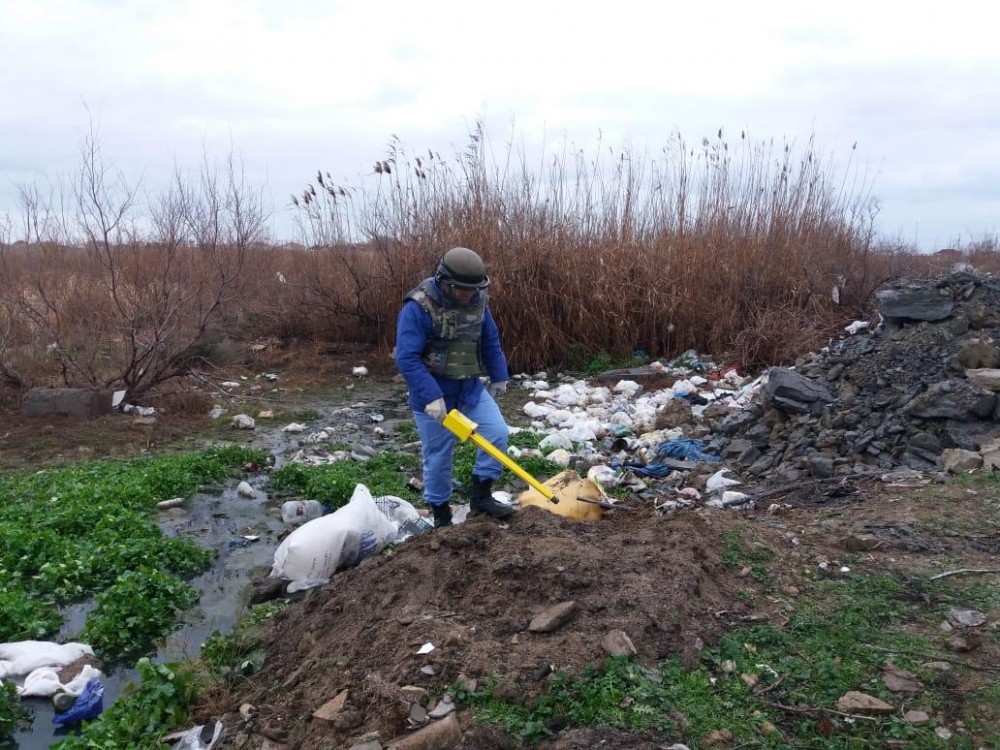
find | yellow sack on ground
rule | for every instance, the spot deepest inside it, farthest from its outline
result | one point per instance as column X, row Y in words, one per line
column 568, row 487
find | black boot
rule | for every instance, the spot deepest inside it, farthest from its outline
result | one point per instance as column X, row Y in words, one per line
column 442, row 515
column 483, row 502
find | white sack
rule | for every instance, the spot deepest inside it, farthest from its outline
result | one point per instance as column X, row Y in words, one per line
column 21, row 657
column 311, row 554
column 44, row 682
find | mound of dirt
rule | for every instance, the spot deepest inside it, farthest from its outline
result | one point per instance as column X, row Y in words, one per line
column 474, row 591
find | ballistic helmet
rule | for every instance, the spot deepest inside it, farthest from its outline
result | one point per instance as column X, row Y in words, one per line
column 463, row 268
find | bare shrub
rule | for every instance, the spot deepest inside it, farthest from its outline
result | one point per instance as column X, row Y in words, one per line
column 104, row 294
column 615, row 251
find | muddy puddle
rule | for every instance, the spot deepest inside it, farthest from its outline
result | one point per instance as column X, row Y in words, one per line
column 244, row 531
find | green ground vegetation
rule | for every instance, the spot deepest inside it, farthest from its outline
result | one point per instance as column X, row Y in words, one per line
column 71, row 533
column 388, row 472
column 770, row 687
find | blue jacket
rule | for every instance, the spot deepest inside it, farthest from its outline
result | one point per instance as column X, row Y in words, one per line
column 413, row 329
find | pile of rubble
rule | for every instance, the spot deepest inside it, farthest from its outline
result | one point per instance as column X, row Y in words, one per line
column 918, row 391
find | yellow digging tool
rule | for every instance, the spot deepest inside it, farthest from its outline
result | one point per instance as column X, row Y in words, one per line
column 465, row 429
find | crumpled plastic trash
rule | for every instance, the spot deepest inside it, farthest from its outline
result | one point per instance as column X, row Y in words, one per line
column 647, row 470
column 685, row 449
column 88, row 705
column 202, row 737
column 719, row 481
column 44, row 682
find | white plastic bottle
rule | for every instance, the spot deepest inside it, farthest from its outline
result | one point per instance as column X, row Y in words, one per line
column 297, row 512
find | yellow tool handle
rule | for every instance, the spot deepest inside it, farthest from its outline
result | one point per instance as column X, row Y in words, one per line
column 504, row 459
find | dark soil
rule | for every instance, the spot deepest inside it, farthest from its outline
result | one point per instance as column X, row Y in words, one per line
column 472, row 590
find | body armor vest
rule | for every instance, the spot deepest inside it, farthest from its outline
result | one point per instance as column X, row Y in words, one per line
column 452, row 351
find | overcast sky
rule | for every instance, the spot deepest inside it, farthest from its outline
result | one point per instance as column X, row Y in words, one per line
column 297, row 85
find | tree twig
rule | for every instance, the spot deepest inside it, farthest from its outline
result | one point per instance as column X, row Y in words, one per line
column 964, row 572
column 808, row 710
column 936, row 657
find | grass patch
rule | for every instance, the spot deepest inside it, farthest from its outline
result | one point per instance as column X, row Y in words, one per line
column 304, row 415
column 738, row 552
column 333, row 484
column 770, row 688
column 239, row 653
column 73, row 532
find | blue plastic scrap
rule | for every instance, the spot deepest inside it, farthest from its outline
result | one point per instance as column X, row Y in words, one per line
column 685, row 449
column 647, row 470
column 88, row 705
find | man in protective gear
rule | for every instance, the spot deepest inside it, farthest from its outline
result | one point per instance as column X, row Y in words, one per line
column 446, row 338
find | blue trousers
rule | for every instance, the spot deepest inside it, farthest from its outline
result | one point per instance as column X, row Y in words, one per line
column 438, row 445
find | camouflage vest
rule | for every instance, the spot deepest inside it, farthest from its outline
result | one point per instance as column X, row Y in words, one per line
column 452, row 351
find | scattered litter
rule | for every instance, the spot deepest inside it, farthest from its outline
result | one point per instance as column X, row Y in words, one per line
column 426, row 648
column 857, row 326
column 142, row 411
column 243, row 422
column 720, row 480
column 216, row 412
column 359, row 372
column 88, row 705
column 298, row 512
column 174, row 502
column 201, row 737
column 229, row 384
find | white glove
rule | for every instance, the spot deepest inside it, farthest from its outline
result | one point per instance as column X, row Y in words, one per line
column 436, row 409
column 498, row 388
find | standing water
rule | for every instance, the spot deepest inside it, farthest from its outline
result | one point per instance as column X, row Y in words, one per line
column 245, row 535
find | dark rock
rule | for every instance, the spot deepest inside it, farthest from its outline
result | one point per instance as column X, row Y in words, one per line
column 81, row 403
column 821, row 467
column 913, row 304
column 926, row 441
column 792, row 393
column 953, row 399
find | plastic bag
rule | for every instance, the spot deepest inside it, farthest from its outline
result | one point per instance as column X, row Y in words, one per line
column 88, row 706
column 312, row 553
column 404, row 515
column 201, row 737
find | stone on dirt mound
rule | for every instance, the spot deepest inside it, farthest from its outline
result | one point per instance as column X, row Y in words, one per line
column 473, row 591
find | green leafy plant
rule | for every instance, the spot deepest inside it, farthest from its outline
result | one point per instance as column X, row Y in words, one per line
column 160, row 702
column 12, row 712
column 23, row 617
column 72, row 532
column 131, row 615
column 333, row 484
column 239, row 653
